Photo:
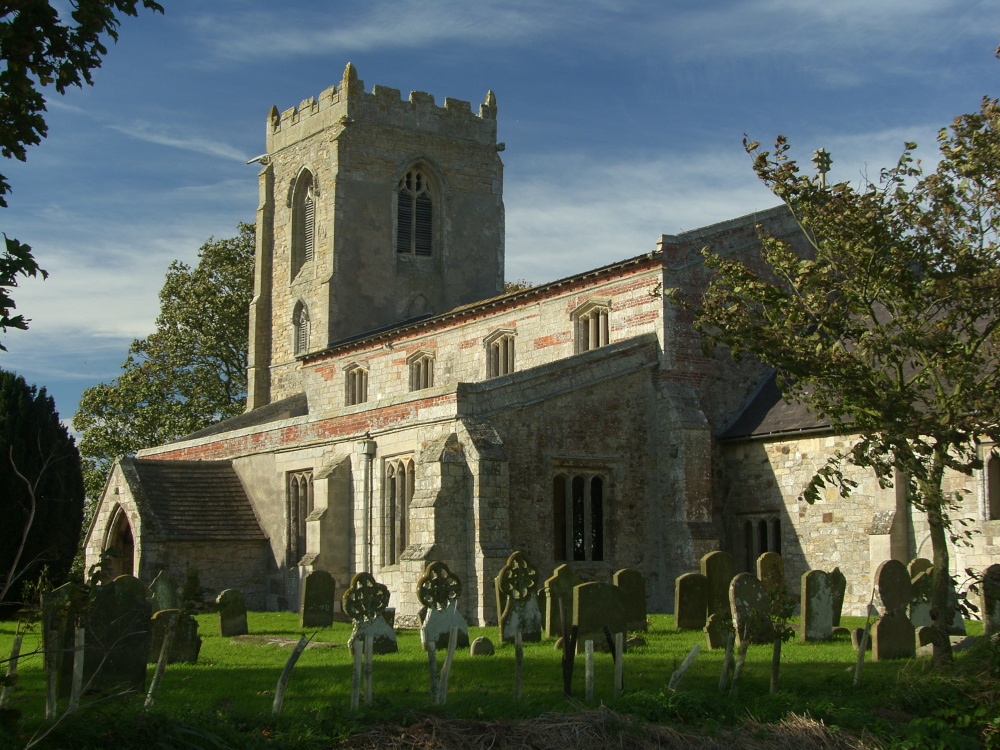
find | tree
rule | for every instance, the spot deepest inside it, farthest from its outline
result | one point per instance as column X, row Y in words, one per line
column 188, row 374
column 890, row 329
column 41, row 489
column 39, row 48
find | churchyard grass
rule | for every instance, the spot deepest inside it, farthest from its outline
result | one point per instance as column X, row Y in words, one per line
column 228, row 694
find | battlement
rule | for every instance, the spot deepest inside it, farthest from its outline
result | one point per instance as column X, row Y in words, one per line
column 348, row 103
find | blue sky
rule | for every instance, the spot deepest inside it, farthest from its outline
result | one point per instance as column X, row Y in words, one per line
column 623, row 121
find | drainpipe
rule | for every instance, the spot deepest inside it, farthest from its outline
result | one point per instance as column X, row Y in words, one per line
column 367, row 450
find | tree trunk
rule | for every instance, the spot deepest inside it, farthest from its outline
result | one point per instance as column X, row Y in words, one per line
column 937, row 522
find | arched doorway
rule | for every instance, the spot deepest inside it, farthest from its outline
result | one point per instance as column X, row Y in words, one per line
column 119, row 545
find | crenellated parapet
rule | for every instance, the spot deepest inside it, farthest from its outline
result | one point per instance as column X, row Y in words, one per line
column 348, row 102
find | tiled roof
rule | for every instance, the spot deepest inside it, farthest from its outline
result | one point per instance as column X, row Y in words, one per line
column 293, row 406
column 192, row 500
column 767, row 414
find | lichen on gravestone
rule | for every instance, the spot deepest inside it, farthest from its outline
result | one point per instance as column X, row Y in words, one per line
column 232, row 607
column 691, row 602
column 517, row 586
column 817, row 606
column 751, row 610
column 319, row 591
column 365, row 602
column 438, row 590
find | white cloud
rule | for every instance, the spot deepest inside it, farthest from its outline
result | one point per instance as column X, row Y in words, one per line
column 148, row 133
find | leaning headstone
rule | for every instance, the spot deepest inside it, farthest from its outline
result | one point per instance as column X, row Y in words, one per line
column 517, row 585
column 632, row 586
column 163, row 592
column 751, row 609
column 991, row 600
column 118, row 635
column 319, row 591
column 919, row 607
column 838, row 582
column 893, row 635
column 482, row 646
column 717, row 629
column 597, row 605
column 558, row 588
column 717, row 567
column 232, row 606
column 817, row 606
column 186, row 643
column 691, row 601
column 857, row 635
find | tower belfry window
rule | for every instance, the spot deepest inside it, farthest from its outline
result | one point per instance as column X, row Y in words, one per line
column 300, row 329
column 414, row 214
column 303, row 222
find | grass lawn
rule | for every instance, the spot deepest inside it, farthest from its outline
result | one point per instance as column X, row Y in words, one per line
column 225, row 699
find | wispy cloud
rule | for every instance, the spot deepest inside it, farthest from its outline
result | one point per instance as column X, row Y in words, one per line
column 143, row 131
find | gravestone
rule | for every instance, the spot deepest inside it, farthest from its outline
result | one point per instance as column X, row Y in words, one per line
column 632, row 586
column 232, row 606
column 957, row 626
column 438, row 590
column 365, row 601
column 163, row 592
column 771, row 574
column 517, row 586
column 319, row 591
column 857, row 635
column 717, row 567
column 838, row 581
column 717, row 629
column 919, row 565
column 482, row 646
column 558, row 588
column 61, row 609
column 817, row 606
column 691, row 601
column 118, row 633
column 751, row 609
column 919, row 607
column 893, row 635
column 597, row 605
column 186, row 643
column 991, row 600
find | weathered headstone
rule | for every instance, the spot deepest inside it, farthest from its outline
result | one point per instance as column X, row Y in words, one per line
column 163, row 592
column 893, row 634
column 319, row 591
column 691, row 601
column 597, row 605
column 857, row 635
column 517, row 585
column 232, row 606
column 186, row 643
column 751, row 609
column 482, row 646
column 364, row 602
column 991, row 600
column 919, row 607
column 717, row 567
column 817, row 606
column 118, row 635
column 771, row 574
column 61, row 609
column 838, row 582
column 558, row 588
column 632, row 586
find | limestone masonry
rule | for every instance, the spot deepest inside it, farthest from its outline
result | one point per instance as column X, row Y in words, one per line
column 402, row 408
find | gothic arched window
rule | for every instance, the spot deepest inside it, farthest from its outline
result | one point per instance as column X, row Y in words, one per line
column 303, row 222
column 414, row 214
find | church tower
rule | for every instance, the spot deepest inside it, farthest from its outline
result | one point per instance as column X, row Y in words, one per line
column 373, row 210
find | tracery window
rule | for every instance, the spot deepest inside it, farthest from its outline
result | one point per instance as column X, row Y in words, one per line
column 299, row 506
column 303, row 222
column 991, row 470
column 414, row 214
column 397, row 492
column 421, row 367
column 591, row 328
column 355, row 385
column 579, row 510
column 300, row 327
column 499, row 354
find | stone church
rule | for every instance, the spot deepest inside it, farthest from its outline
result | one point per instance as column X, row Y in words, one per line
column 402, row 408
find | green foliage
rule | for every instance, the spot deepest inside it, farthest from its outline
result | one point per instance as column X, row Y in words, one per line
column 890, row 327
column 41, row 489
column 188, row 374
column 40, row 48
